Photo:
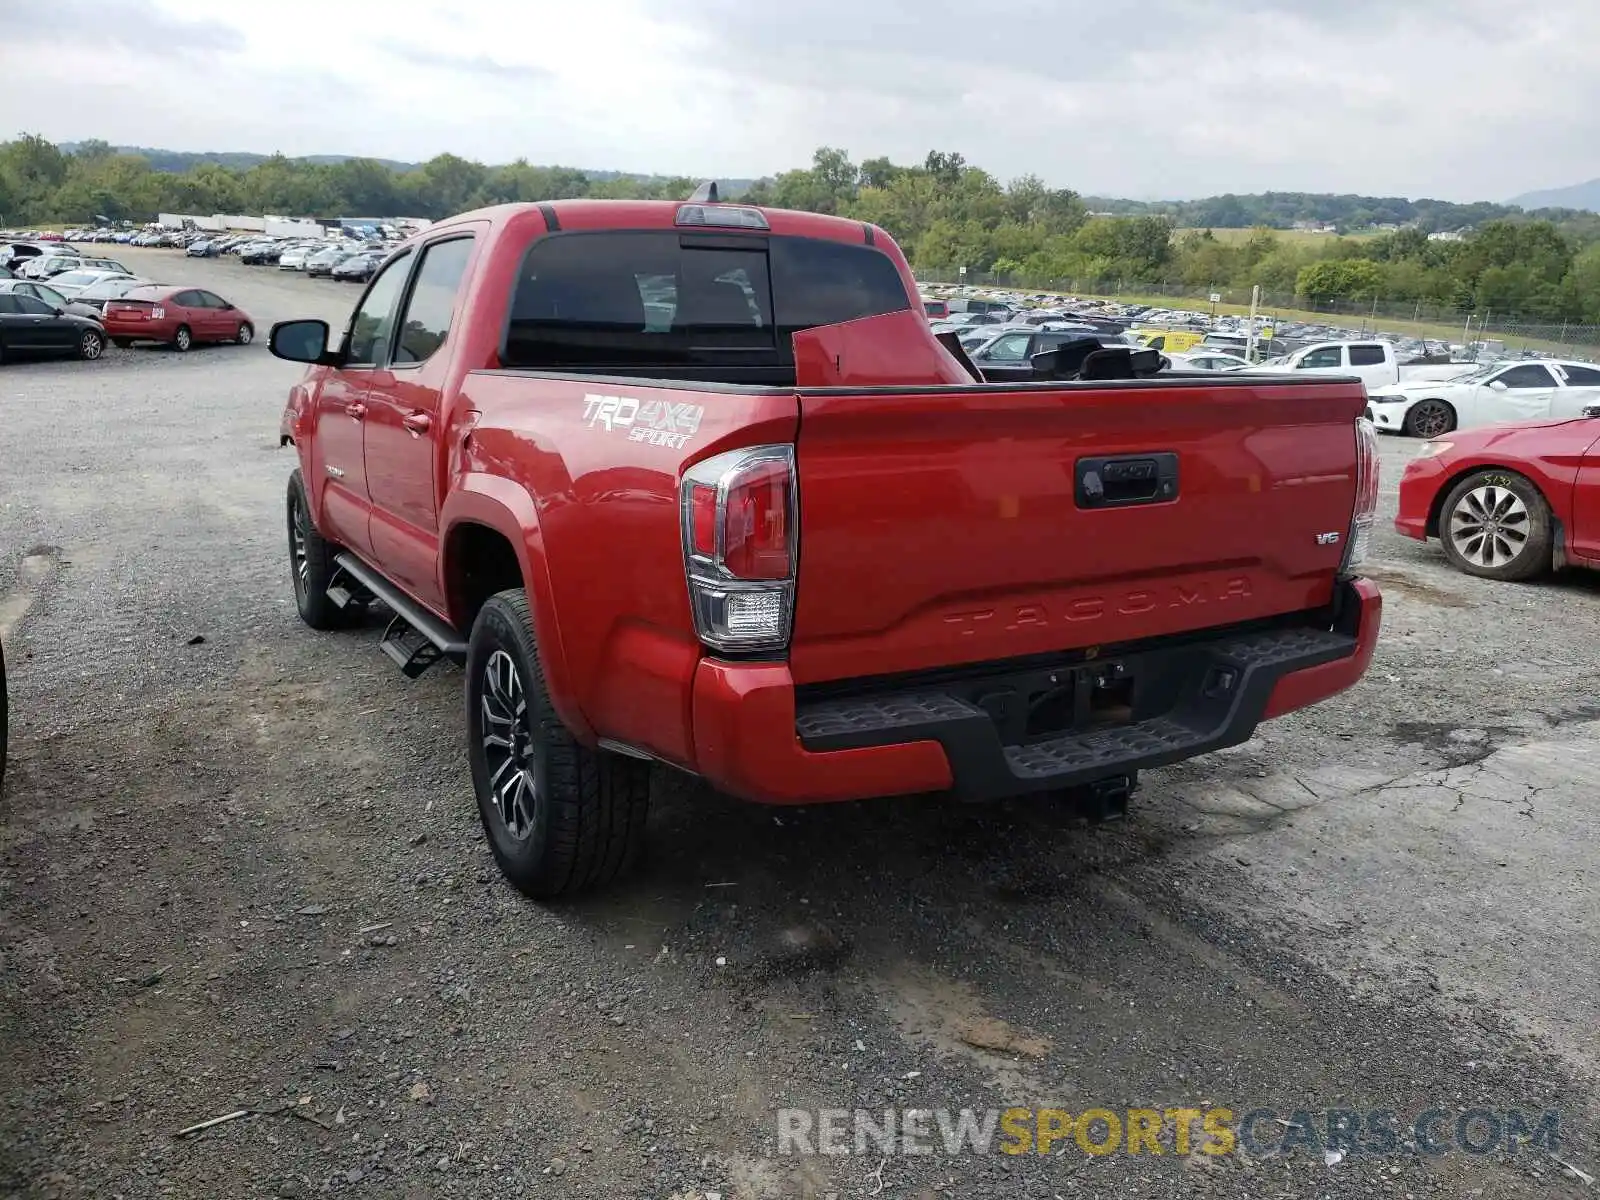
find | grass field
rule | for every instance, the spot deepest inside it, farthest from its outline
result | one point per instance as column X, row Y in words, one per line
column 1292, row 236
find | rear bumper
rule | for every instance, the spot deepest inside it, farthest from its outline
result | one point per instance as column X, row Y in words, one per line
column 142, row 331
column 754, row 740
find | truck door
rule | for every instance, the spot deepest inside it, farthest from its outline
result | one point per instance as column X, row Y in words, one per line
column 405, row 423
column 338, row 444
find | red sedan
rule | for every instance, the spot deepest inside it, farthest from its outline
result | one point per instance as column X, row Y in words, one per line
column 178, row 316
column 1508, row 501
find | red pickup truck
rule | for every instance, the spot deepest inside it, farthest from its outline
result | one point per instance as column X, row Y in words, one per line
column 695, row 484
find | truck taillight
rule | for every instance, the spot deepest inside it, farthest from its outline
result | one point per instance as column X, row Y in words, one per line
column 1366, row 509
column 739, row 514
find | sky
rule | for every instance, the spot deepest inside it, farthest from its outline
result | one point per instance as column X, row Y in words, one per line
column 1452, row 99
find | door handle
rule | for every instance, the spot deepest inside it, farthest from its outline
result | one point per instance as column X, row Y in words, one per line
column 417, row 422
column 356, row 409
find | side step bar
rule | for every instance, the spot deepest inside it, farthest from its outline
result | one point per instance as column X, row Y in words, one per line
column 415, row 639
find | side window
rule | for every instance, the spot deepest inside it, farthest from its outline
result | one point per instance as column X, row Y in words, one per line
column 372, row 324
column 1530, row 376
column 426, row 323
column 34, row 307
column 1581, row 376
column 819, row 282
column 1328, row 356
column 1011, row 348
column 1366, row 356
column 189, row 299
column 211, row 299
column 8, row 303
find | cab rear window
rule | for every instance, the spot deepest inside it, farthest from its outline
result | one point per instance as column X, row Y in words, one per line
column 632, row 300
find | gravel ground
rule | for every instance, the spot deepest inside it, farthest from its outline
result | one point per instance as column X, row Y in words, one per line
column 240, row 869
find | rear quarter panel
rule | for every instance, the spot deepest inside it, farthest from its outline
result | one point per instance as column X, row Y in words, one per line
column 600, row 461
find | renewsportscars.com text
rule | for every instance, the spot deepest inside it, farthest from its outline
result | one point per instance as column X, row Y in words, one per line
column 1216, row 1131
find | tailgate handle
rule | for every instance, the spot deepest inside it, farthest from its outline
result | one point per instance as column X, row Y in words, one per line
column 1119, row 482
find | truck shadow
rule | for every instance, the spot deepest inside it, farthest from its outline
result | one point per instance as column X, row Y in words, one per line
column 802, row 889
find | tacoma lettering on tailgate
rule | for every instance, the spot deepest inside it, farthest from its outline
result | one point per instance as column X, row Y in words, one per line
column 1092, row 608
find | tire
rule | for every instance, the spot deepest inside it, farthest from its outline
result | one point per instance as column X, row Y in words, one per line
column 311, row 563
column 91, row 345
column 560, row 817
column 1496, row 525
column 246, row 333
column 1430, row 419
column 182, row 340
column 122, row 343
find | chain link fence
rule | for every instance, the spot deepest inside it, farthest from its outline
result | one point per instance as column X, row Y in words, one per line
column 1414, row 318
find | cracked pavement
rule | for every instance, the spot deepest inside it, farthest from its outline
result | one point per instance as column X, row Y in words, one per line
column 240, row 868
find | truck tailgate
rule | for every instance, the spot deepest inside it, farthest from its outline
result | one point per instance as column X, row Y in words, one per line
column 950, row 525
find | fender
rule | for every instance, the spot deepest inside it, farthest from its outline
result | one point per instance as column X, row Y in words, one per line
column 296, row 428
column 499, row 504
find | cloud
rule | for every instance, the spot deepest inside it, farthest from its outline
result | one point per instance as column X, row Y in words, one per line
column 135, row 26
column 476, row 66
column 1460, row 99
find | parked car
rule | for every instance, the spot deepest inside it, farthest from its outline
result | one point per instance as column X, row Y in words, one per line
column 31, row 326
column 260, row 252
column 323, row 262
column 177, row 316
column 1205, row 360
column 359, row 267
column 1044, row 613
column 201, row 248
column 294, row 257
column 1373, row 362
column 1018, row 346
column 1508, row 501
column 45, row 265
column 70, row 283
column 1495, row 393
column 91, row 301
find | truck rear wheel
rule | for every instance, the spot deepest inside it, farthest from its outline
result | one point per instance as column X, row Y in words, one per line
column 560, row 817
column 311, row 561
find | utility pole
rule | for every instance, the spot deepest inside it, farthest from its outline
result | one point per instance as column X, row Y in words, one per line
column 1255, row 304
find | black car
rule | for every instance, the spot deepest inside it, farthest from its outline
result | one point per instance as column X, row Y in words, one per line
column 358, row 269
column 30, row 326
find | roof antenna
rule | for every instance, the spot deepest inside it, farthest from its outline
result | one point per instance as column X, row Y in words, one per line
column 706, row 193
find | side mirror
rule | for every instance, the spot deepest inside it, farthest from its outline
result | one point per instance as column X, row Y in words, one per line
column 1498, row 385
column 299, row 341
column 60, row 312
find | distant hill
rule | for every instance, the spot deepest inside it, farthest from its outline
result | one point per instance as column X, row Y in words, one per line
column 1584, row 196
column 176, row 162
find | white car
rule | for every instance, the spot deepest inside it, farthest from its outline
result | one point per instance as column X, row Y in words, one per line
column 1207, row 360
column 70, row 283
column 1526, row 390
column 294, row 258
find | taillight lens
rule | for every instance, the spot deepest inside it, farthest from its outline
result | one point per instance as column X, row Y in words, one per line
column 739, row 514
column 1365, row 515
